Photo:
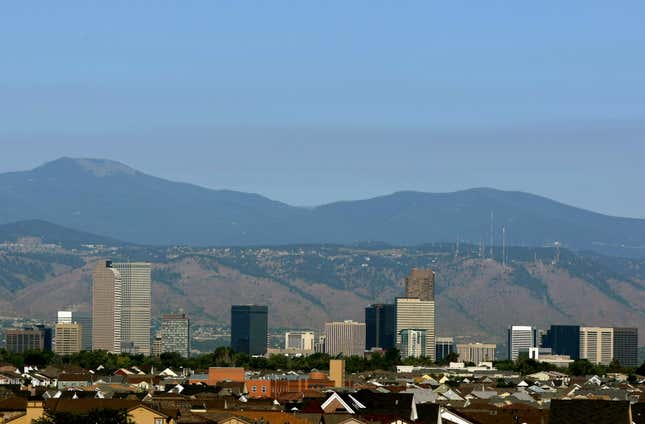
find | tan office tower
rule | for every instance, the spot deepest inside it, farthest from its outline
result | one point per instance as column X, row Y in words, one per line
column 420, row 284
column 106, row 308
column 68, row 338
column 135, row 310
column 597, row 344
column 337, row 372
column 415, row 317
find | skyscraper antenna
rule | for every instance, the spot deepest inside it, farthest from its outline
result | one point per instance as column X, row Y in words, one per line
column 504, row 247
column 490, row 253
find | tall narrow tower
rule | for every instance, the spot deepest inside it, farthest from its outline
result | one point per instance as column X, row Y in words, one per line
column 106, row 308
column 136, row 303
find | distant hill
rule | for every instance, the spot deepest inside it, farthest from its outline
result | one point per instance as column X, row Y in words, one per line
column 52, row 234
column 109, row 198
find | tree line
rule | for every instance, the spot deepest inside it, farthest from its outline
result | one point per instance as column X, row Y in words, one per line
column 226, row 357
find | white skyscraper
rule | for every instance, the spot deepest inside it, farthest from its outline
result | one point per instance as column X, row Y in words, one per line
column 520, row 339
column 135, row 306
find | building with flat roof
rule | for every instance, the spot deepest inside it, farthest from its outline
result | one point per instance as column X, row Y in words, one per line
column 520, row 338
column 346, row 338
column 68, row 338
column 175, row 334
column 414, row 314
column 420, row 284
column 106, row 308
column 476, row 352
column 444, row 346
column 597, row 344
column 136, row 305
column 249, row 329
column 37, row 337
column 380, row 326
column 301, row 341
column 563, row 340
column 84, row 319
column 626, row 346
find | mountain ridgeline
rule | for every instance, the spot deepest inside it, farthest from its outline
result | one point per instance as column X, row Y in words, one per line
column 108, row 198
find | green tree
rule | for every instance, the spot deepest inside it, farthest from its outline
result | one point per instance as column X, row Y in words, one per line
column 582, row 367
column 641, row 370
column 614, row 366
column 451, row 357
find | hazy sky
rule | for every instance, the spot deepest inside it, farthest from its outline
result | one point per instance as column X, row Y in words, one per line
column 314, row 101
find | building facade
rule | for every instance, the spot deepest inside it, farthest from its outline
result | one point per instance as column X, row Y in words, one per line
column 299, row 340
column 597, row 344
column 38, row 337
column 175, row 334
column 476, row 352
column 563, row 340
column 84, row 319
column 420, row 284
column 346, row 338
column 337, row 372
column 249, row 329
column 413, row 343
column 380, row 326
column 68, row 338
column 520, row 338
column 106, row 308
column 416, row 315
column 626, row 346
column 444, row 346
column 136, row 304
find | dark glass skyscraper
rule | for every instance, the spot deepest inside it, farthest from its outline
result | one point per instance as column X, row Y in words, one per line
column 563, row 340
column 626, row 346
column 249, row 329
column 380, row 326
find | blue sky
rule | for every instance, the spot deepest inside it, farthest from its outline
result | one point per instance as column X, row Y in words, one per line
column 309, row 102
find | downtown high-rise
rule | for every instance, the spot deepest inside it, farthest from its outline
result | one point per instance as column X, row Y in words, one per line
column 175, row 334
column 106, row 308
column 520, row 339
column 415, row 315
column 121, row 303
column 249, row 329
column 345, row 338
column 380, row 326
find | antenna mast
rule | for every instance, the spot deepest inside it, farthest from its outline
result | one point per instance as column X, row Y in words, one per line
column 490, row 252
column 504, row 247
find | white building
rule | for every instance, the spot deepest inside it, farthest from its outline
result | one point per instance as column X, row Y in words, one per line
column 413, row 314
column 299, row 340
column 347, row 338
column 521, row 338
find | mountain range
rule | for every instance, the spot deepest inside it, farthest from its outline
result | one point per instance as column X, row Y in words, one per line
column 111, row 199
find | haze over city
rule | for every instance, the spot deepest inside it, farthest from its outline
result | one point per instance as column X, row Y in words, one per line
column 319, row 102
